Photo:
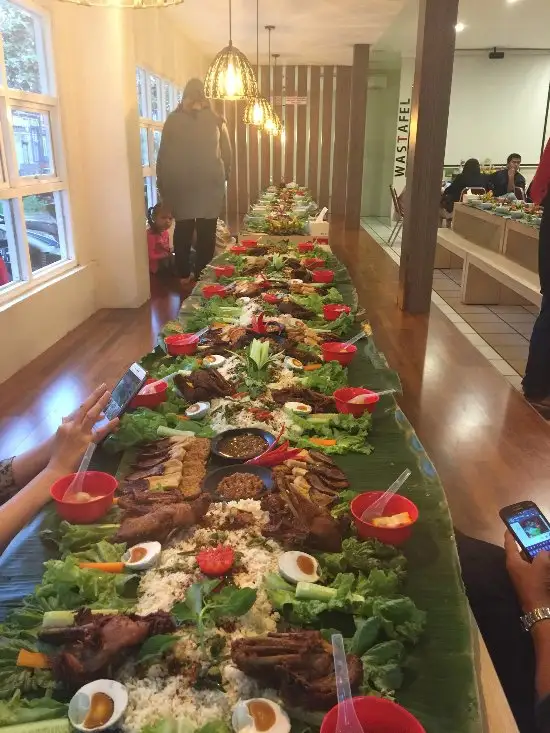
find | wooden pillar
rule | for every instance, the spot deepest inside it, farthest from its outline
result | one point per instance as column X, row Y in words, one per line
column 430, row 111
column 356, row 147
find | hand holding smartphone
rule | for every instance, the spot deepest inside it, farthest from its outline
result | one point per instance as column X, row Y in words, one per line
column 529, row 526
column 123, row 393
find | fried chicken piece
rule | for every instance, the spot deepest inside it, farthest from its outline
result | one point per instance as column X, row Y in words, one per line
column 155, row 525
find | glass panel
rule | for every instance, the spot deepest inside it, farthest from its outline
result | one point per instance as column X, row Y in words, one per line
column 155, row 98
column 149, row 192
column 142, row 97
column 144, row 146
column 9, row 260
column 21, row 33
column 156, row 144
column 179, row 95
column 167, row 92
column 41, row 217
column 33, row 143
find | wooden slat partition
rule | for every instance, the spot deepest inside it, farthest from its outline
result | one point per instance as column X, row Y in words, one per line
column 325, row 142
column 242, row 155
column 290, row 121
column 301, row 119
column 356, row 134
column 232, row 188
column 253, row 152
column 341, row 135
column 266, row 141
column 314, row 109
column 277, row 144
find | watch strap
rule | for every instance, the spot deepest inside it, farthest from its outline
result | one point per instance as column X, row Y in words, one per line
column 533, row 617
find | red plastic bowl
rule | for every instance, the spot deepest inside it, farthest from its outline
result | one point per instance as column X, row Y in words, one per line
column 345, row 394
column 396, row 505
column 312, row 262
column 154, row 398
column 100, row 485
column 249, row 243
column 332, row 351
column 236, row 250
column 270, row 298
column 305, row 247
column 209, row 291
column 181, row 344
column 376, row 715
column 333, row 310
column 224, row 270
column 323, row 276
column 321, row 240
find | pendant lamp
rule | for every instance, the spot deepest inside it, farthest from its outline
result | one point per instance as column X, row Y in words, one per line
column 272, row 124
column 132, row 4
column 258, row 109
column 230, row 75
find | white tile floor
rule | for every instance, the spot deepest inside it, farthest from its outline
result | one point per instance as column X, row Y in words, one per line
column 501, row 332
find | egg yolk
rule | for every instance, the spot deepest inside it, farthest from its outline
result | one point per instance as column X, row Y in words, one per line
column 262, row 714
column 305, row 564
column 101, row 709
column 137, row 554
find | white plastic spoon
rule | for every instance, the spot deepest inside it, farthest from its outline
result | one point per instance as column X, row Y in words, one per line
column 376, row 509
column 75, row 487
column 347, row 721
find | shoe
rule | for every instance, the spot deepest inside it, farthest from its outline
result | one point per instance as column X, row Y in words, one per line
column 541, row 406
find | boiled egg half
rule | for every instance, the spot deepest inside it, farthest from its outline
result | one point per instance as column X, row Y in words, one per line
column 298, row 408
column 297, row 567
column 215, row 361
column 259, row 715
column 198, row 410
column 142, row 556
column 98, row 705
column 294, row 364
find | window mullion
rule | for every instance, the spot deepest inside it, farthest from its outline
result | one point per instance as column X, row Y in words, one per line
column 22, row 239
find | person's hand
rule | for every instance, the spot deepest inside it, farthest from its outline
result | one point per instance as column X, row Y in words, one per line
column 76, row 432
column 531, row 580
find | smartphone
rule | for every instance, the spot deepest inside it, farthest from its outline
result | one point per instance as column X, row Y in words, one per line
column 123, row 393
column 529, row 526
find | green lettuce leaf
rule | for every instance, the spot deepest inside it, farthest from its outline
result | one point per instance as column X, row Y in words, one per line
column 367, row 631
column 19, row 710
column 330, row 377
column 101, row 551
column 401, row 619
column 371, row 555
column 155, row 647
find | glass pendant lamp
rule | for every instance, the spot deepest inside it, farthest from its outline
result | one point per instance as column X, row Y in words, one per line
column 258, row 109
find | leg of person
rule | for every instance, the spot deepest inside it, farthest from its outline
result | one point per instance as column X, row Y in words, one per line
column 183, row 238
column 496, row 609
column 536, row 383
column 206, row 243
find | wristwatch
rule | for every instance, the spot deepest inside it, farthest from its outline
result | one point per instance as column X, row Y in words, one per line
column 531, row 618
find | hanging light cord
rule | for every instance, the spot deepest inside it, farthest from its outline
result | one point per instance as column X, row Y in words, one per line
column 230, row 34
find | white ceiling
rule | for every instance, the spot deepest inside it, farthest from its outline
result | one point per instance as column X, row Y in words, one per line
column 307, row 31
column 520, row 24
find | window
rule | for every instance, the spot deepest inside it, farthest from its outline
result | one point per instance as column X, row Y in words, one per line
column 33, row 188
column 156, row 98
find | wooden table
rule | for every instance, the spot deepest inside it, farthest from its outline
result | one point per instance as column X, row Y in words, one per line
column 496, row 714
column 480, row 227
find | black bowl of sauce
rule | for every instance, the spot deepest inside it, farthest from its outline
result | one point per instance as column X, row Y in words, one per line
column 241, row 444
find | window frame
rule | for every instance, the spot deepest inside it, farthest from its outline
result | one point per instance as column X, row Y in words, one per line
column 13, row 186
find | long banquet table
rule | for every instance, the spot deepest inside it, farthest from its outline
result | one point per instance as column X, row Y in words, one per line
column 451, row 685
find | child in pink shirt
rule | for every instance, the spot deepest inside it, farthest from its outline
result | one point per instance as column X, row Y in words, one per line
column 159, row 221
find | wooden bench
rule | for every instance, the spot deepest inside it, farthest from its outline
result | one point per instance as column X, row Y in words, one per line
column 488, row 278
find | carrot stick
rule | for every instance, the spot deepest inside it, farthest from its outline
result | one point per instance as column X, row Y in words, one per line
column 322, row 441
column 32, row 659
column 312, row 367
column 106, row 567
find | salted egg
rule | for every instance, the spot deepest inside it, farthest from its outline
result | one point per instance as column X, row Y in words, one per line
column 259, row 715
column 298, row 408
column 142, row 556
column 294, row 364
column 98, row 705
column 215, row 361
column 198, row 410
column 296, row 566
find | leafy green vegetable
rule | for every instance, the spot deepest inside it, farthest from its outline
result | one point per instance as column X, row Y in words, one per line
column 214, row 309
column 367, row 631
column 19, row 710
column 74, row 587
column 25, row 680
column 340, row 327
column 382, row 668
column 183, row 726
column 401, row 619
column 78, row 537
column 350, row 433
column 203, row 608
column 330, row 377
column 372, row 554
column 101, row 551
column 315, row 302
column 154, row 648
column 137, row 426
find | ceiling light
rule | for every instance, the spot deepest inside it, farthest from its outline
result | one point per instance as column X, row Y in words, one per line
column 258, row 109
column 459, row 27
column 230, row 75
column 126, row 3
column 273, row 124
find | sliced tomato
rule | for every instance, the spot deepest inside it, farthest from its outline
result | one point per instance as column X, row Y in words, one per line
column 216, row 561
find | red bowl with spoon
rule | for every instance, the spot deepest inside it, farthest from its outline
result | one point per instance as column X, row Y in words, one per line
column 224, row 270
column 305, row 247
column 343, row 396
column 150, row 397
column 238, row 250
column 249, row 243
column 312, row 262
column 101, row 488
column 323, row 276
column 338, row 351
column 209, row 291
column 181, row 344
column 376, row 715
column 397, row 504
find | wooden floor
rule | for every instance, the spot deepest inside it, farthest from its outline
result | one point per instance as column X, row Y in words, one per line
column 489, row 446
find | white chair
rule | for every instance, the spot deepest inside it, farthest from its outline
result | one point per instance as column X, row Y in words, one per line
column 396, row 231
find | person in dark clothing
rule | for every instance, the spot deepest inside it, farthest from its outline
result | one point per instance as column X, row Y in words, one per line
column 508, row 179
column 536, row 383
column 501, row 587
column 470, row 177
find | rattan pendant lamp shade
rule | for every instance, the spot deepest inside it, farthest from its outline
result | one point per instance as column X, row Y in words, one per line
column 230, row 75
column 258, row 109
column 272, row 124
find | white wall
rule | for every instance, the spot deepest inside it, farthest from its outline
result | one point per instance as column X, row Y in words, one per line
column 497, row 107
column 96, row 51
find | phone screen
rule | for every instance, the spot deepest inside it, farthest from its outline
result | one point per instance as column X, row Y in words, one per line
column 121, row 395
column 531, row 529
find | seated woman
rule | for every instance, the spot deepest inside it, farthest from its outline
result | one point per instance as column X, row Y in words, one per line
column 471, row 177
column 25, row 480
